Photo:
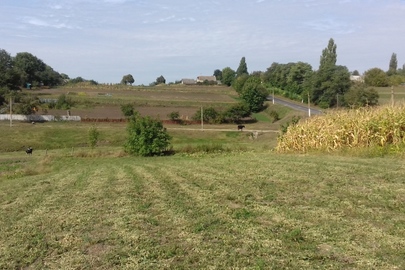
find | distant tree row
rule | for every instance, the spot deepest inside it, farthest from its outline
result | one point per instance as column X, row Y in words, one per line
column 329, row 86
column 26, row 70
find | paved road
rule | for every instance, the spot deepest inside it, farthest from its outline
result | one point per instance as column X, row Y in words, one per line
column 294, row 106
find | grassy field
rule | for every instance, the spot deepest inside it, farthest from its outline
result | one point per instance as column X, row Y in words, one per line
column 239, row 206
column 385, row 94
column 240, row 210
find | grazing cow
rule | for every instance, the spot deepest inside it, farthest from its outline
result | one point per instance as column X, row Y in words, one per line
column 29, row 151
column 241, row 127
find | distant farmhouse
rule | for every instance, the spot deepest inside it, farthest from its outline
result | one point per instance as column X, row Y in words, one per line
column 200, row 79
column 188, row 81
column 356, row 78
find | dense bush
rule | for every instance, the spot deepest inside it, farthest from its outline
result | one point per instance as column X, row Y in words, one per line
column 210, row 115
column 127, row 109
column 236, row 112
column 64, row 102
column 174, row 116
column 147, row 136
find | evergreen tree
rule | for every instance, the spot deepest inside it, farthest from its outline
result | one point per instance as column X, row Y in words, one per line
column 393, row 64
column 329, row 55
column 242, row 69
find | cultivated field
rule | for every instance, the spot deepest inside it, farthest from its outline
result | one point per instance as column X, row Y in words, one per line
column 159, row 101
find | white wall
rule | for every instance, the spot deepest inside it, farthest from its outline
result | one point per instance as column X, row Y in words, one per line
column 38, row 118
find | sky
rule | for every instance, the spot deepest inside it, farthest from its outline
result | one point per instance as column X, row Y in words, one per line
column 103, row 40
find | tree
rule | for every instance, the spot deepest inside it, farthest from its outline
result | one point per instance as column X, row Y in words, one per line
column 329, row 55
column 239, row 82
column 49, row 77
column 298, row 73
column 393, row 65
column 242, row 69
column 161, row 80
column 254, row 94
column 359, row 96
column 127, row 79
column 29, row 67
column 376, row 77
column 146, row 136
column 218, row 74
column 228, row 76
column 330, row 80
column 8, row 77
column 77, row 80
column 355, row 73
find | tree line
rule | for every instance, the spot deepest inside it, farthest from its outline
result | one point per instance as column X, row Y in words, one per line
column 329, row 86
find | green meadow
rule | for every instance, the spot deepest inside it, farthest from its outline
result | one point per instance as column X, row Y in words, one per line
column 224, row 200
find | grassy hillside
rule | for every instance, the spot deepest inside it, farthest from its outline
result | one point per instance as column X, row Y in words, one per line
column 238, row 210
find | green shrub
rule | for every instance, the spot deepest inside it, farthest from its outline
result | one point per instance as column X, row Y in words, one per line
column 236, row 112
column 93, row 136
column 64, row 102
column 127, row 109
column 174, row 116
column 274, row 116
column 147, row 136
column 210, row 115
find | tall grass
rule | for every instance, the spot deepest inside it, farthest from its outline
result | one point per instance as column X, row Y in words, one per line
column 361, row 128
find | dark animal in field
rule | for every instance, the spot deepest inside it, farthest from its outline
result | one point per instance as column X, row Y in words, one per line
column 29, row 151
column 241, row 127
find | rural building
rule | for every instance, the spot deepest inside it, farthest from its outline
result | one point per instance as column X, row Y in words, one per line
column 202, row 79
column 356, row 78
column 188, row 81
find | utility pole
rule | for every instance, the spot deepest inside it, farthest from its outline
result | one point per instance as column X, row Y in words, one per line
column 273, row 95
column 11, row 111
column 202, row 118
column 309, row 106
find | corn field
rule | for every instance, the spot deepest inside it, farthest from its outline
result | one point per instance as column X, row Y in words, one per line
column 360, row 128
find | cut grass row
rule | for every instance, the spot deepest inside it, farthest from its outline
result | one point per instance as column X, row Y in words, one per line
column 240, row 210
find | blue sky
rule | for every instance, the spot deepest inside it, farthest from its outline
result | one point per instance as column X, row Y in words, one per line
column 106, row 39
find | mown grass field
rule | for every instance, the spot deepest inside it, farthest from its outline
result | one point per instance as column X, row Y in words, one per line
column 240, row 210
column 242, row 206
